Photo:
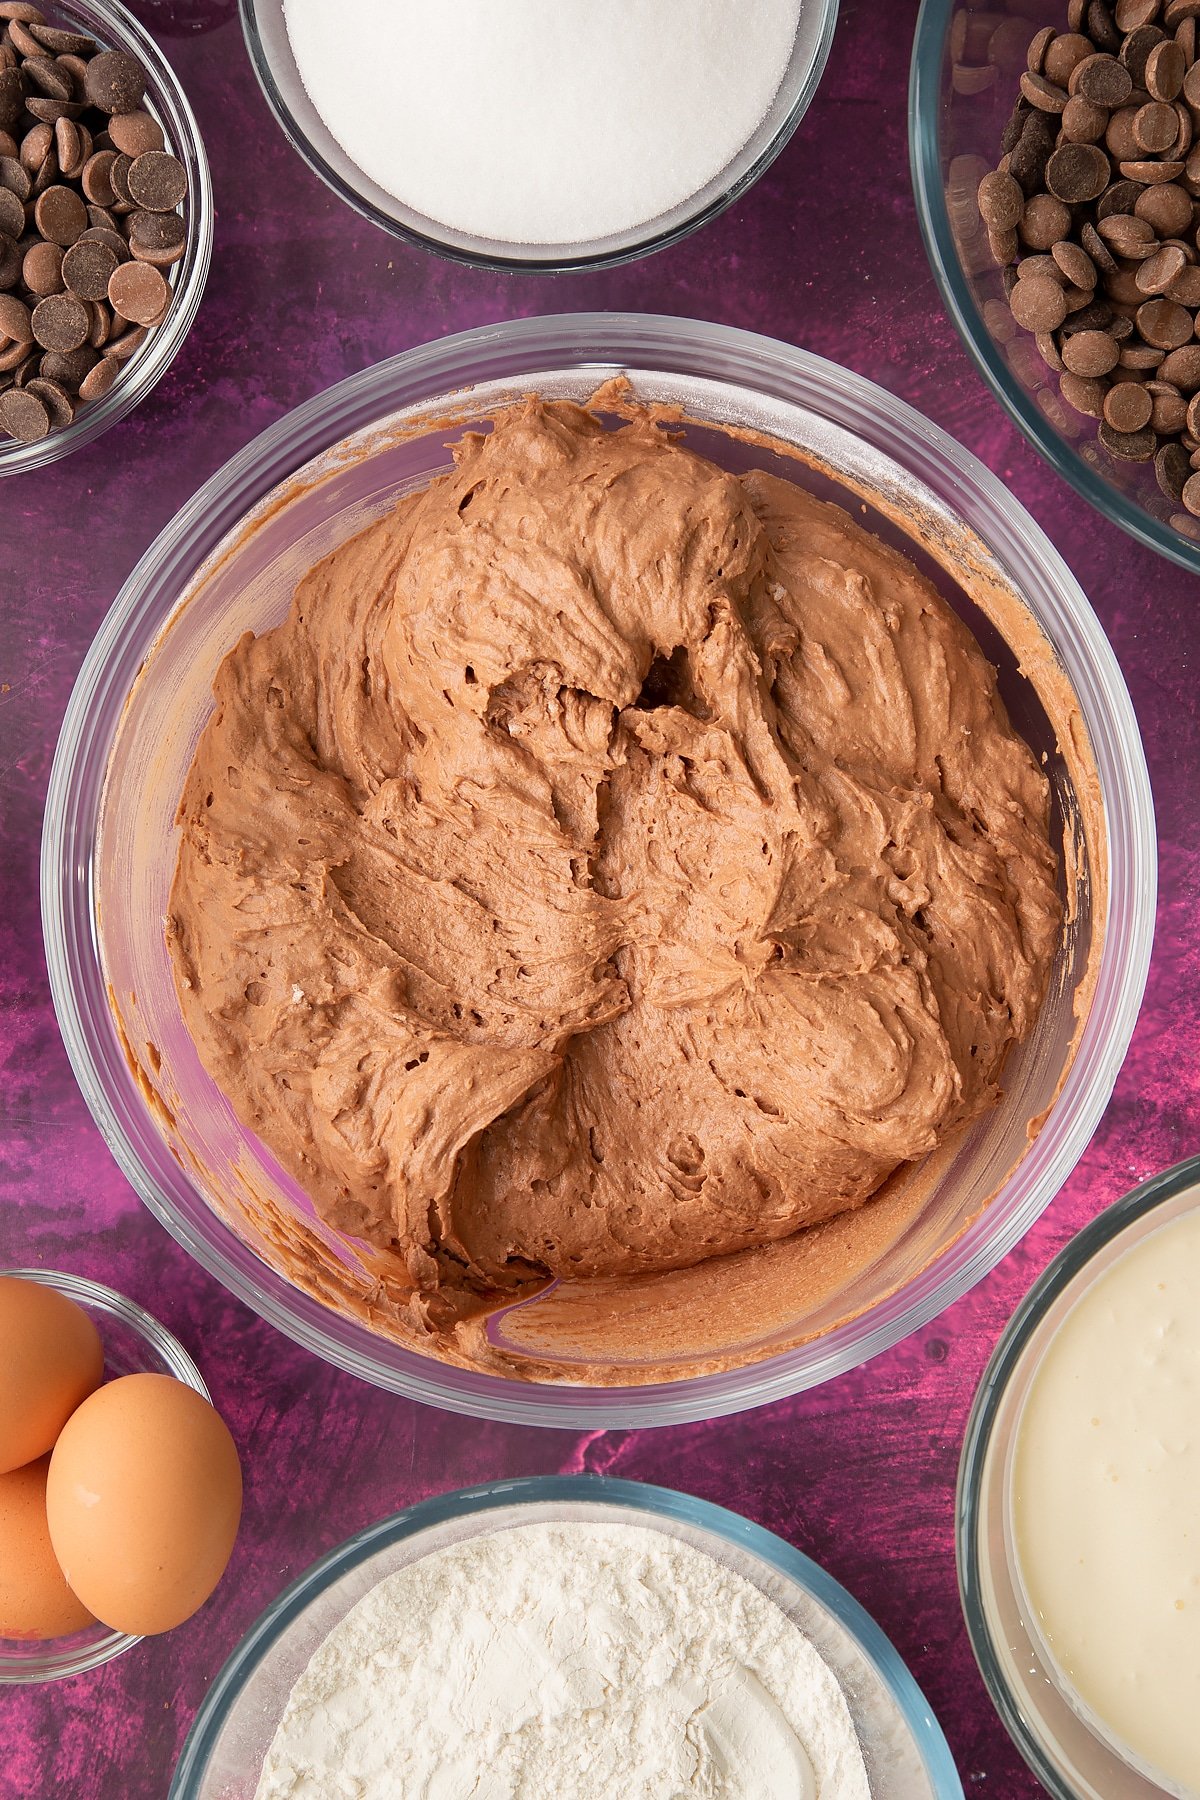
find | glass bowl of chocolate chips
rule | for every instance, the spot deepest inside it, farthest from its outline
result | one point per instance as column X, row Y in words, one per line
column 1055, row 149
column 105, row 223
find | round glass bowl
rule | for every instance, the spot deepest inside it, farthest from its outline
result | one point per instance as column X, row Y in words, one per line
column 1066, row 1749
column 116, row 29
column 134, row 1344
column 906, row 1755
column 275, row 65
column 956, row 115
column 230, row 561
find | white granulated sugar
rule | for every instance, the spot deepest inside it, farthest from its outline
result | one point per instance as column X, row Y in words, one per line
column 566, row 1662
column 542, row 121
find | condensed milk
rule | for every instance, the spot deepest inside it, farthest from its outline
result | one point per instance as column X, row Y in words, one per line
column 1106, row 1502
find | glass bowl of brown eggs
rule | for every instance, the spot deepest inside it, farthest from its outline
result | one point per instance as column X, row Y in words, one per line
column 58, row 1637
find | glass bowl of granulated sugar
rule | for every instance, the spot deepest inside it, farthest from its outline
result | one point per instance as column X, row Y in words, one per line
column 569, row 1636
column 541, row 134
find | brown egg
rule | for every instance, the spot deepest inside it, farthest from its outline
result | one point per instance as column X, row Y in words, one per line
column 50, row 1359
column 35, row 1601
column 144, row 1498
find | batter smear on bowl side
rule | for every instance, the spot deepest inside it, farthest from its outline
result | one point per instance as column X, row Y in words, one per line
column 610, row 863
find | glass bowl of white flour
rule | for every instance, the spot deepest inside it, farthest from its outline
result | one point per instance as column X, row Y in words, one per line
column 541, row 134
column 565, row 1638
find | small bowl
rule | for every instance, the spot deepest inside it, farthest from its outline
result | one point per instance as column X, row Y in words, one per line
column 954, row 139
column 1067, row 1750
column 275, row 65
column 906, row 1755
column 134, row 1344
column 115, row 28
column 230, row 561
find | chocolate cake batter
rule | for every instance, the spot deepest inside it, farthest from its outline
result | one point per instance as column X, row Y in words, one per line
column 609, row 863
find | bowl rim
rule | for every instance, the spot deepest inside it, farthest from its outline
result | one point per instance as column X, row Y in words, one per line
column 555, row 262
column 668, row 1504
column 604, row 343
column 982, row 1419
column 56, row 1665
column 150, row 364
column 924, row 98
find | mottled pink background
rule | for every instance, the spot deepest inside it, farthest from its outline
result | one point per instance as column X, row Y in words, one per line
column 860, row 1474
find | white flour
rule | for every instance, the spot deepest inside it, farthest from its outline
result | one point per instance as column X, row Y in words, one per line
column 542, row 121
column 565, row 1662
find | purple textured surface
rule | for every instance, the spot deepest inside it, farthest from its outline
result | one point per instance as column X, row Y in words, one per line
column 825, row 253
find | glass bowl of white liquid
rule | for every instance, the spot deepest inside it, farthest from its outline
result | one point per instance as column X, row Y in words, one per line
column 1078, row 1553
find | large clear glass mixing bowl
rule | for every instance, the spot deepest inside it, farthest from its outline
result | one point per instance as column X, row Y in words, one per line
column 230, row 560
